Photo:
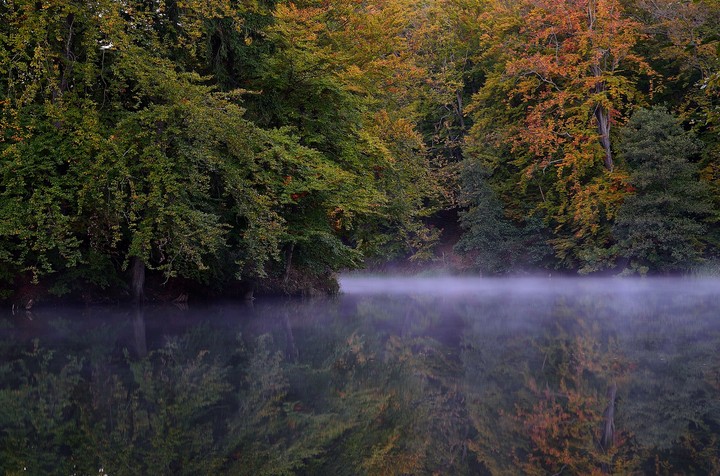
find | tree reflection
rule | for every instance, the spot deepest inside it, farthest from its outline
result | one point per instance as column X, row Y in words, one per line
column 372, row 385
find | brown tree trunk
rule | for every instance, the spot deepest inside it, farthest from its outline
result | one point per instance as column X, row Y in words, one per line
column 288, row 262
column 67, row 65
column 602, row 115
column 138, row 280
column 459, row 109
column 603, row 124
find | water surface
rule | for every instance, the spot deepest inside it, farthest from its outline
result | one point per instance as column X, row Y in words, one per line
column 395, row 376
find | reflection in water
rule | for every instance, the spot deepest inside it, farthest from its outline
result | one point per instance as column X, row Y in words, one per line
column 139, row 331
column 495, row 377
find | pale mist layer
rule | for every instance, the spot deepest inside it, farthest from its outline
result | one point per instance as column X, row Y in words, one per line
column 473, row 286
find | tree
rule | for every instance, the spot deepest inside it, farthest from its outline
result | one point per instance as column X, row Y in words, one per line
column 568, row 66
column 681, row 44
column 488, row 233
column 685, row 49
column 661, row 225
column 564, row 72
column 56, row 89
column 118, row 153
column 340, row 76
column 497, row 244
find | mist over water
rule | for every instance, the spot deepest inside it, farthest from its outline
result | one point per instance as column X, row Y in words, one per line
column 469, row 286
column 396, row 375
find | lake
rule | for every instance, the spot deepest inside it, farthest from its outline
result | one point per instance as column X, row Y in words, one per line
column 396, row 376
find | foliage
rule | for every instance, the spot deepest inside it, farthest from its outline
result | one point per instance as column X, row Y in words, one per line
column 660, row 226
column 227, row 145
column 124, row 137
column 497, row 244
column 560, row 76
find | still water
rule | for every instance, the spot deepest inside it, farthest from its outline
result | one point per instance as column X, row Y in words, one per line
column 393, row 377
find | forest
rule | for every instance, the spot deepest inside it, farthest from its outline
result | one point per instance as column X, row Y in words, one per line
column 220, row 147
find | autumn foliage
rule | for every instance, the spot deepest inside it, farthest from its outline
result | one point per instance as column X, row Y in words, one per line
column 163, row 133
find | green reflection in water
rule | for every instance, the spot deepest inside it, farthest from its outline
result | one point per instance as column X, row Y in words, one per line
column 489, row 384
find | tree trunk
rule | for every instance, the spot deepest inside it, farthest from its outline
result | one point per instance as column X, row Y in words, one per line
column 288, row 262
column 459, row 109
column 138, row 280
column 602, row 115
column 67, row 65
column 603, row 124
